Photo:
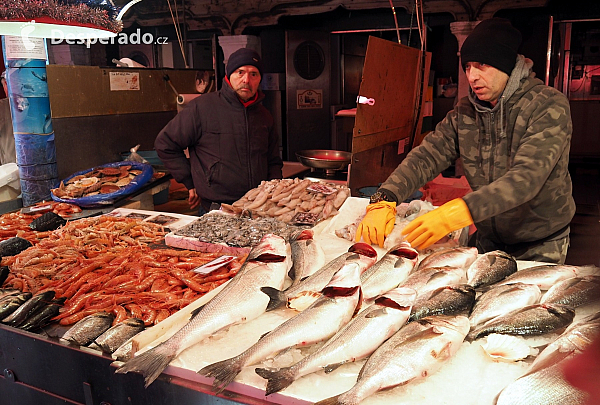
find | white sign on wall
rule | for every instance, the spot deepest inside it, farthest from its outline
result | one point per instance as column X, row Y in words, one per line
column 124, row 81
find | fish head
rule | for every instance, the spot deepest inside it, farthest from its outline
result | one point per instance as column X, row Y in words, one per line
column 271, row 248
column 399, row 298
column 443, row 323
column 366, row 255
column 404, row 250
column 303, row 234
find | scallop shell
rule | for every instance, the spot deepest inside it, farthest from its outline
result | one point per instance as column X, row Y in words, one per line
column 75, row 178
column 85, row 182
column 135, row 171
column 109, row 188
column 123, row 182
column 506, row 348
column 110, row 171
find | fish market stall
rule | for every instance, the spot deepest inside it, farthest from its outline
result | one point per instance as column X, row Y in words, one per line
column 87, row 376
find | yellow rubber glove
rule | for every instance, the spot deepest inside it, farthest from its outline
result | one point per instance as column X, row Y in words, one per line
column 377, row 223
column 427, row 229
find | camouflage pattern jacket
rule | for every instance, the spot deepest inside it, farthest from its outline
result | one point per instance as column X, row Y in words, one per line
column 515, row 156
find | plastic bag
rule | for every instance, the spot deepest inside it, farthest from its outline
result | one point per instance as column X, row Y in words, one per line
column 135, row 157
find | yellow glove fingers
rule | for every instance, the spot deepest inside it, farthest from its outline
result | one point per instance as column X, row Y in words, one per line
column 412, row 225
column 359, row 232
column 389, row 226
column 380, row 236
column 369, row 235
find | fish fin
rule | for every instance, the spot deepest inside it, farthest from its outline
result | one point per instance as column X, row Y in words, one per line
column 277, row 380
column 224, row 372
column 196, row 312
column 292, row 274
column 150, row 364
column 424, row 334
column 332, row 367
column 329, row 401
column 263, row 335
column 276, row 297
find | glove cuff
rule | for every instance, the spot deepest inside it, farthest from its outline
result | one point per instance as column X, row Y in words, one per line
column 457, row 213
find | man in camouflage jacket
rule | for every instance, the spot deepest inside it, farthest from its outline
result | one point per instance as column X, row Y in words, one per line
column 515, row 153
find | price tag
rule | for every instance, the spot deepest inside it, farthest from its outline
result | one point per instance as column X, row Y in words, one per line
column 214, row 264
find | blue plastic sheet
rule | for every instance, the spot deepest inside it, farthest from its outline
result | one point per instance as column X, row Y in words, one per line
column 99, row 200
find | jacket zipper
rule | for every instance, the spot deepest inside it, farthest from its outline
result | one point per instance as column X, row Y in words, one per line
column 248, row 148
column 491, row 166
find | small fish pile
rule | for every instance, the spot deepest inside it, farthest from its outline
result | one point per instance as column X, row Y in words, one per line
column 292, row 201
column 100, row 180
column 27, row 312
column 19, row 224
column 235, row 231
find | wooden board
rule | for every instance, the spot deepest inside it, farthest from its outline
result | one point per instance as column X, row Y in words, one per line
column 391, row 77
column 84, row 91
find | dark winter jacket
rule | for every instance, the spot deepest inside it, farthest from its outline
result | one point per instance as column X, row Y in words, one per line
column 515, row 156
column 232, row 148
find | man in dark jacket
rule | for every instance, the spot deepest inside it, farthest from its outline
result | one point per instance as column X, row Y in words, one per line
column 230, row 137
column 513, row 136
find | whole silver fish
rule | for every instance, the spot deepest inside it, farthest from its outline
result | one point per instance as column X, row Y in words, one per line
column 240, row 300
column 545, row 276
column 355, row 341
column 429, row 279
column 490, row 268
column 535, row 319
column 449, row 300
column 417, row 350
column 317, row 323
column 31, row 306
column 453, row 257
column 389, row 271
column 502, row 299
column 89, row 328
column 303, row 294
column 544, row 387
column 574, row 292
column 307, row 256
column 114, row 337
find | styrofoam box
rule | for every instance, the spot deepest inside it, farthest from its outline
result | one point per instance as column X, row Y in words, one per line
column 10, row 186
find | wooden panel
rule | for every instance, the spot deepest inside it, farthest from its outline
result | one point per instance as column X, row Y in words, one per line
column 390, row 76
column 84, row 91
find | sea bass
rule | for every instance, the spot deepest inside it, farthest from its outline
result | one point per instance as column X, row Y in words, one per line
column 546, row 275
column 535, row 319
column 490, row 268
column 503, row 299
column 303, row 294
column 88, row 328
column 429, row 279
column 419, row 349
column 355, row 341
column 574, row 292
column 546, row 386
column 307, row 256
column 339, row 301
column 114, row 337
column 453, row 257
column 389, row 271
column 240, row 300
column 449, row 300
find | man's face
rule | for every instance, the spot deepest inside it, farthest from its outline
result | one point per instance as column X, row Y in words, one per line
column 486, row 81
column 245, row 81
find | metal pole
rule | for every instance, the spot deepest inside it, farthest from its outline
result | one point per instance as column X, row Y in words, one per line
column 25, row 60
column 549, row 50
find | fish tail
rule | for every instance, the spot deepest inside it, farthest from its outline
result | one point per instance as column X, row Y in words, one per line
column 224, row 372
column 276, row 297
column 330, row 401
column 277, row 379
column 150, row 364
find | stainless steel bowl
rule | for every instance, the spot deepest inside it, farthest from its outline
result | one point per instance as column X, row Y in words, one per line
column 324, row 159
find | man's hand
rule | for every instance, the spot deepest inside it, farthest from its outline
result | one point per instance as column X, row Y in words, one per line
column 377, row 223
column 427, row 229
column 193, row 199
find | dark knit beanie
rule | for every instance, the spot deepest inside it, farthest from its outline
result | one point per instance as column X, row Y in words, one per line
column 243, row 57
column 494, row 42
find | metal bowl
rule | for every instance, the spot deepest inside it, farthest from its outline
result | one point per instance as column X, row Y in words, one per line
column 324, row 159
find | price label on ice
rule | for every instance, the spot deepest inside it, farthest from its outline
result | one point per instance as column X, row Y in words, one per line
column 214, row 265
